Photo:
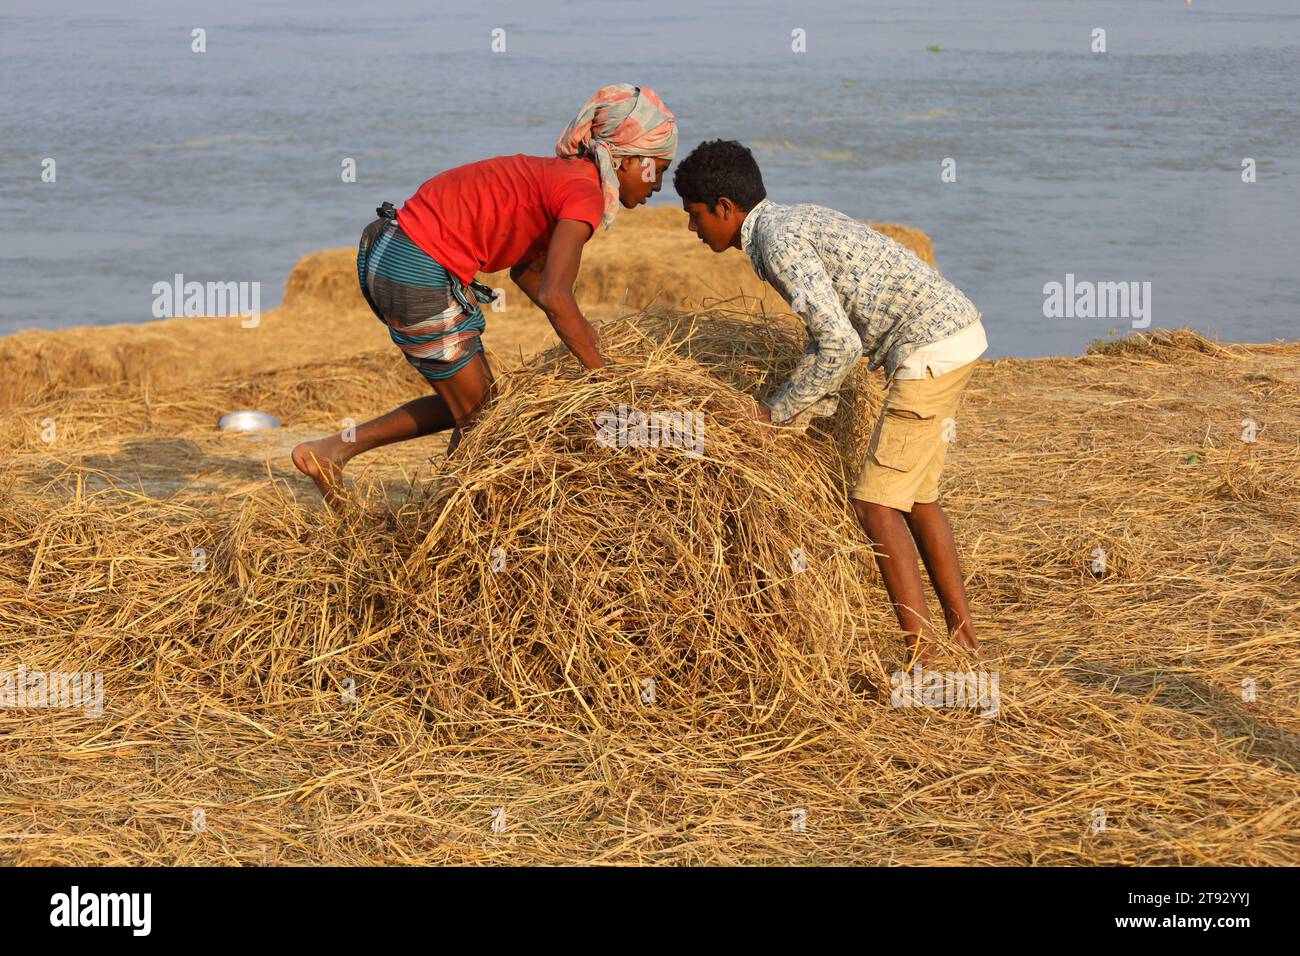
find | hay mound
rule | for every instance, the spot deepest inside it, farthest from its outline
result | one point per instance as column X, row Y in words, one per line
column 328, row 277
column 1163, row 345
column 556, row 573
column 36, row 365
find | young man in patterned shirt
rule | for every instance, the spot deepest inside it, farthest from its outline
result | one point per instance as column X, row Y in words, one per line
column 860, row 293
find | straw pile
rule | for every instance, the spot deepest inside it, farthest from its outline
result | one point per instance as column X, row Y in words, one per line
column 369, row 689
column 550, row 575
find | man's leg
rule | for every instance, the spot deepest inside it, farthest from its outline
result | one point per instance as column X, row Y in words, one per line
column 467, row 394
column 904, row 462
column 458, row 402
column 323, row 460
column 933, row 536
column 896, row 557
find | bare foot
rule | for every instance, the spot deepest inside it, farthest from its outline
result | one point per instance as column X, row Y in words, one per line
column 968, row 643
column 919, row 652
column 322, row 461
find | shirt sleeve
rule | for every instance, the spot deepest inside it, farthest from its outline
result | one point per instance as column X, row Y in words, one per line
column 796, row 272
column 578, row 199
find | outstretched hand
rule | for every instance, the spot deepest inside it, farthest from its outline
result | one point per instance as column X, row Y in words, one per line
column 760, row 413
column 611, row 368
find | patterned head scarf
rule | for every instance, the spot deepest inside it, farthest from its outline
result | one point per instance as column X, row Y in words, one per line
column 620, row 120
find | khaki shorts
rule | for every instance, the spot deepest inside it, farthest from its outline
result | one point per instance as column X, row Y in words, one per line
column 907, row 448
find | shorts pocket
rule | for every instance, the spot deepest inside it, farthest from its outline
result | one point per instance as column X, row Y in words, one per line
column 901, row 440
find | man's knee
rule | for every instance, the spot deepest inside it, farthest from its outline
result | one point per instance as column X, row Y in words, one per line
column 922, row 509
column 870, row 512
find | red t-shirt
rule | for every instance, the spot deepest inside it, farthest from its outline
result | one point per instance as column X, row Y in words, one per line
column 496, row 213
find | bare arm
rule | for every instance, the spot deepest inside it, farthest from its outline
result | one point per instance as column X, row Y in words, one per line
column 548, row 281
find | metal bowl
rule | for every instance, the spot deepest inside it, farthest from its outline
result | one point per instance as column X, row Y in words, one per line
column 246, row 420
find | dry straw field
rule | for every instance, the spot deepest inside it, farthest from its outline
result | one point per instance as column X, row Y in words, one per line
column 550, row 651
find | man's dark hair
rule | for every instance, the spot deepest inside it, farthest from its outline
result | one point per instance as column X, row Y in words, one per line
column 720, row 167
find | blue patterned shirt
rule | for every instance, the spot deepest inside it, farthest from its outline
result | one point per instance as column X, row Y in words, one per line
column 860, row 293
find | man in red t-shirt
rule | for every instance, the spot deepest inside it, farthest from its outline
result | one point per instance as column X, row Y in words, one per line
column 494, row 214
column 530, row 214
